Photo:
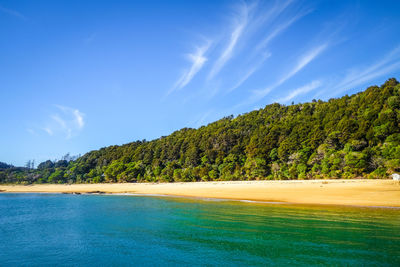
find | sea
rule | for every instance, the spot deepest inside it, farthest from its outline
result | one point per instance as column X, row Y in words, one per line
column 134, row 230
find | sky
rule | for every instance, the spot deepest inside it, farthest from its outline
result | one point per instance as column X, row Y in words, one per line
column 76, row 76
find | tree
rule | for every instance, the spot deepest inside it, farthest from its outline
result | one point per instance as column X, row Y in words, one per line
column 28, row 164
column 357, row 135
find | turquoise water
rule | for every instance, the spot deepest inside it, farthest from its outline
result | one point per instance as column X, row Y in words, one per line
column 71, row 230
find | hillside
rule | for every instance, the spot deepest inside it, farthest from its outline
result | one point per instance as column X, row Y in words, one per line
column 348, row 137
column 5, row 165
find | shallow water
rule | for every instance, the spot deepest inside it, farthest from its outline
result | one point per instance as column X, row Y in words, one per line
column 56, row 229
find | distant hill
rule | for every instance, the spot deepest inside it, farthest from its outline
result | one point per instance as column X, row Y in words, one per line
column 5, row 165
column 347, row 137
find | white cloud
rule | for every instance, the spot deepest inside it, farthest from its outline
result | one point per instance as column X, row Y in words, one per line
column 279, row 29
column 254, row 22
column 79, row 118
column 202, row 119
column 48, row 130
column 59, row 121
column 389, row 63
column 197, row 59
column 31, row 131
column 250, row 72
column 89, row 39
column 66, row 120
column 271, row 13
column 227, row 53
column 299, row 91
column 302, row 62
column 244, row 78
column 246, row 23
column 12, row 13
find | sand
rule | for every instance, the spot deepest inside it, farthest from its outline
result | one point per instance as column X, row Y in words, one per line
column 359, row 192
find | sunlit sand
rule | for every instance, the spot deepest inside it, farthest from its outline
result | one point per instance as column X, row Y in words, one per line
column 335, row 192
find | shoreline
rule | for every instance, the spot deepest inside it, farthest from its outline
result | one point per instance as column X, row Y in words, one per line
column 352, row 192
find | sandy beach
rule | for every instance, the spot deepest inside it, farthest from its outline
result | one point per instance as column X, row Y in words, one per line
column 358, row 192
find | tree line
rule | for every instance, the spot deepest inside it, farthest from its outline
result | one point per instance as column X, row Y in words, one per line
column 348, row 137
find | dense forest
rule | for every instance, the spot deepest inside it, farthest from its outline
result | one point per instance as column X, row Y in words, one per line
column 348, row 137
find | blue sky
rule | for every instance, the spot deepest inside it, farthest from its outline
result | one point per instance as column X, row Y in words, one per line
column 80, row 75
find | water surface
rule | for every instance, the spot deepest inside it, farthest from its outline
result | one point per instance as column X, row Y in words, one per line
column 56, row 229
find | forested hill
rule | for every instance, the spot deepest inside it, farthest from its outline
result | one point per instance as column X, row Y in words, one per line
column 348, row 137
column 5, row 165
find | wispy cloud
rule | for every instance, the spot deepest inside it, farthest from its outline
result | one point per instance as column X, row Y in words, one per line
column 67, row 120
column 31, row 131
column 389, row 63
column 247, row 23
column 48, row 130
column 254, row 22
column 250, row 72
column 302, row 62
column 241, row 21
column 271, row 13
column 63, row 124
column 202, row 119
column 279, row 29
column 262, row 45
column 77, row 116
column 299, row 91
column 89, row 39
column 59, row 121
column 12, row 13
column 197, row 59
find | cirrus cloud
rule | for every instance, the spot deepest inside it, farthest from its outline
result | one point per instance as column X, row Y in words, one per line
column 65, row 120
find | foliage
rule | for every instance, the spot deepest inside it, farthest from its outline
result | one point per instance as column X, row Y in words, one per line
column 348, row 137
